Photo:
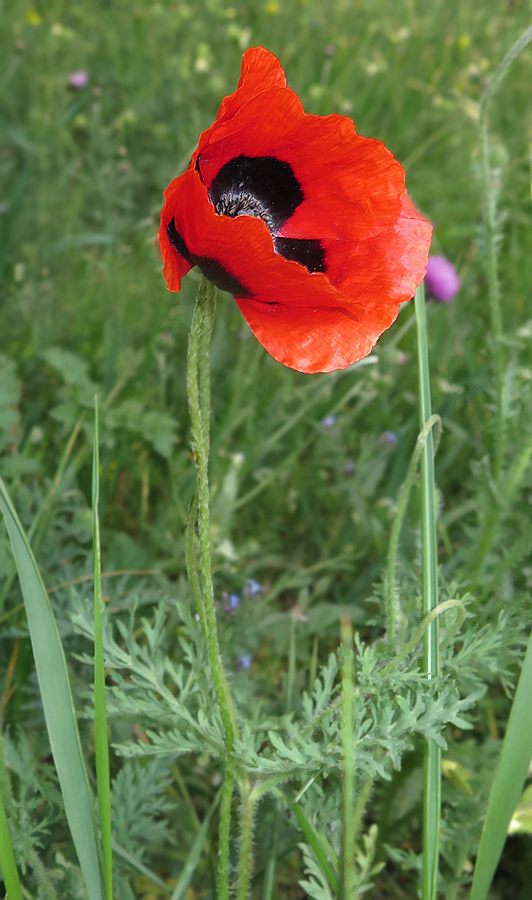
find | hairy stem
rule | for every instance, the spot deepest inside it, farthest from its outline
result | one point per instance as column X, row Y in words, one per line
column 249, row 802
column 489, row 215
column 198, row 387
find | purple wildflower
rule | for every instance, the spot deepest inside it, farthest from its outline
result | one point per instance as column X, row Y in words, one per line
column 78, row 80
column 253, row 588
column 442, row 279
column 245, row 661
column 230, row 601
column 328, row 421
column 389, row 437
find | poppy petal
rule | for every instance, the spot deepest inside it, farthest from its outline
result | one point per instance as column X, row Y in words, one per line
column 315, row 338
column 352, row 185
column 175, row 264
column 261, row 70
column 243, row 248
column 304, row 221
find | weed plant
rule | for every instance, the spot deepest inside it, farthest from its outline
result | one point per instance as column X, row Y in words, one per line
column 306, row 471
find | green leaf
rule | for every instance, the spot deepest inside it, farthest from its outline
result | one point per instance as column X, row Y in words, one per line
column 57, row 701
column 510, row 777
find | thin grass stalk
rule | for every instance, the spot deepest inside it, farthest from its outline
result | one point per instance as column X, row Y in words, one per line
column 101, row 738
column 198, row 388
column 431, row 661
column 348, row 813
column 489, row 215
column 269, row 876
column 360, row 805
column 402, row 502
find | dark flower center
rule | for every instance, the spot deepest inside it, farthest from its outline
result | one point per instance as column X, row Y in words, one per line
column 266, row 188
column 259, row 186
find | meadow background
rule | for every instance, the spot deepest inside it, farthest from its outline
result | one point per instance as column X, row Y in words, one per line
column 305, row 470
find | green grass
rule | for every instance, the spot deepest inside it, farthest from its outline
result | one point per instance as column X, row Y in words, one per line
column 304, row 508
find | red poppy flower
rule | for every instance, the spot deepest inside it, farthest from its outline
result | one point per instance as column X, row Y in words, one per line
column 304, row 221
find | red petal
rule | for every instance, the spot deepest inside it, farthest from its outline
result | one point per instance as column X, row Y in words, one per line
column 352, row 185
column 244, row 247
column 300, row 318
column 391, row 264
column 260, row 71
column 175, row 266
column 314, row 339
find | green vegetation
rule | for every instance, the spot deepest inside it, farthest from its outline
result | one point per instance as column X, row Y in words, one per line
column 307, row 472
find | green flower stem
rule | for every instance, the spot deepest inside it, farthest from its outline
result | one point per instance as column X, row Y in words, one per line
column 348, row 812
column 198, row 387
column 431, row 661
column 489, row 211
column 249, row 803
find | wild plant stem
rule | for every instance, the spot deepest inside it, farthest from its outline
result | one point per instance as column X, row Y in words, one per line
column 198, row 387
column 431, row 662
column 249, row 802
column 489, row 212
column 101, row 740
column 348, row 813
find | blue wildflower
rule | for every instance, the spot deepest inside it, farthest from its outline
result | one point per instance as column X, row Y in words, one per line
column 245, row 661
column 253, row 588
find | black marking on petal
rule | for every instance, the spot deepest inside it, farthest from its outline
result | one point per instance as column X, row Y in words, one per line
column 214, row 271
column 177, row 242
column 310, row 253
column 260, row 186
column 198, row 170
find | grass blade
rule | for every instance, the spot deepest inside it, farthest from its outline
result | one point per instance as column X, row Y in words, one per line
column 314, row 843
column 57, row 703
column 7, row 858
column 510, row 777
column 101, row 740
column 139, row 867
column 195, row 853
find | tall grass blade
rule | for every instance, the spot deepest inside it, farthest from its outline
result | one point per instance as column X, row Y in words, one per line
column 510, row 777
column 314, row 842
column 101, row 740
column 195, row 853
column 58, row 703
column 7, row 858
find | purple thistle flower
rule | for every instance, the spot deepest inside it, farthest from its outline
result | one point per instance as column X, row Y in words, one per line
column 442, row 279
column 78, row 80
column 253, row 588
